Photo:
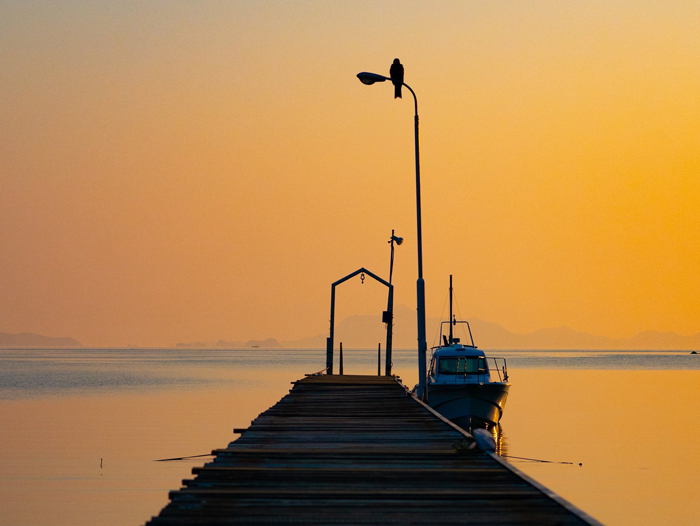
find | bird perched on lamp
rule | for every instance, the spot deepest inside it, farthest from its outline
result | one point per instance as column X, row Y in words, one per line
column 396, row 74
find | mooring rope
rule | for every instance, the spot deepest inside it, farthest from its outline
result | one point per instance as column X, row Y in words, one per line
column 539, row 460
column 183, row 458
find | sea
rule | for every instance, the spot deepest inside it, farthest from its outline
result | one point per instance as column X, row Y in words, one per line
column 85, row 433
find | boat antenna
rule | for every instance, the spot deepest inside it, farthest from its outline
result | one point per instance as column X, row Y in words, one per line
column 451, row 315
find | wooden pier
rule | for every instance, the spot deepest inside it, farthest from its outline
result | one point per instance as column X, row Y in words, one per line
column 359, row 450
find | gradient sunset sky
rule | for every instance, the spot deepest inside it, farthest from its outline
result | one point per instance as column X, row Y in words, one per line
column 188, row 171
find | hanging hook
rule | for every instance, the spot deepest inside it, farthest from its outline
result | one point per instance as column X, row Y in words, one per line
column 362, row 278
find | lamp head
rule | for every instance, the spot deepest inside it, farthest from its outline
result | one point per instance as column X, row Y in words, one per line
column 397, row 239
column 370, row 78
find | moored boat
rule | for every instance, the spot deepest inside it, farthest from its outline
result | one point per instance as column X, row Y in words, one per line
column 464, row 385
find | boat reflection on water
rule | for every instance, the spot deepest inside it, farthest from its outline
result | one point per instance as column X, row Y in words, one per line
column 500, row 438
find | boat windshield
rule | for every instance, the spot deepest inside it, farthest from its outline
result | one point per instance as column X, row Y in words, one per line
column 462, row 365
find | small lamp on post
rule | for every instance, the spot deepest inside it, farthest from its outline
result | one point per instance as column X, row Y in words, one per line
column 398, row 241
column 388, row 315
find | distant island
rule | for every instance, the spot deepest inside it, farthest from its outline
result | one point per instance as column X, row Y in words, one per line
column 366, row 332
column 25, row 340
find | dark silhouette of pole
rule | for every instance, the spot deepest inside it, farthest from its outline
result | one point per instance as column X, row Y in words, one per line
column 389, row 330
column 371, row 78
column 389, row 315
column 452, row 320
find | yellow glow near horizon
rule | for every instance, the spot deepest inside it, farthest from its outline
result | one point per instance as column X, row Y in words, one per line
column 187, row 172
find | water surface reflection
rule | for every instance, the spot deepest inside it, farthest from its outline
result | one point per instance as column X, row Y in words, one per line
column 63, row 412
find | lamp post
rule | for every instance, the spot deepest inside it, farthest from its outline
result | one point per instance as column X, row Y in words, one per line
column 369, row 79
column 388, row 316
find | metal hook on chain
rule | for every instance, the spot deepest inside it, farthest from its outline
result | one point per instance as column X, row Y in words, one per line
column 362, row 278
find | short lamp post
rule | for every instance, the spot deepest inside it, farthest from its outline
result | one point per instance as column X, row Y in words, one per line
column 369, row 79
column 388, row 317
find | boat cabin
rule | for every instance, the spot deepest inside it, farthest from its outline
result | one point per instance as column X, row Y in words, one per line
column 458, row 363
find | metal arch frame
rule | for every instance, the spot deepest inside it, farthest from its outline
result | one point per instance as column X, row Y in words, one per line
column 389, row 331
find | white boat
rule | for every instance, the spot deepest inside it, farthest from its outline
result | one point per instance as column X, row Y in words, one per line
column 464, row 385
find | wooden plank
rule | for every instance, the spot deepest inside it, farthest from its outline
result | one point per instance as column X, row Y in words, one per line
column 359, row 450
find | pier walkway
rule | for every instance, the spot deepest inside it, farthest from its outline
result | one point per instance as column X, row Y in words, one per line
column 359, row 450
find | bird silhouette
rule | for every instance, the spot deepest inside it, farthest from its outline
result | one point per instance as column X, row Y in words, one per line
column 396, row 74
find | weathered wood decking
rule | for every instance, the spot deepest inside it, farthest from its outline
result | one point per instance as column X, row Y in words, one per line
column 358, row 450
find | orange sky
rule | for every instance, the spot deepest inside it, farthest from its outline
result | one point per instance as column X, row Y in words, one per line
column 180, row 171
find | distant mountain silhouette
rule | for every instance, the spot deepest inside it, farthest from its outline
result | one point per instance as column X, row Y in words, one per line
column 365, row 332
column 29, row 340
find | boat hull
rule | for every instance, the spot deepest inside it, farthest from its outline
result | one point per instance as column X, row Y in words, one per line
column 469, row 405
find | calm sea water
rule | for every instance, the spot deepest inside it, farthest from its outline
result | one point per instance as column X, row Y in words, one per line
column 80, row 430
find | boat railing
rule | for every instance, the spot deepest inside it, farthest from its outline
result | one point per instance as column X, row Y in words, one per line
column 445, row 339
column 500, row 366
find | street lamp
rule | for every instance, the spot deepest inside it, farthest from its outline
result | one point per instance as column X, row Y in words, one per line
column 369, row 79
